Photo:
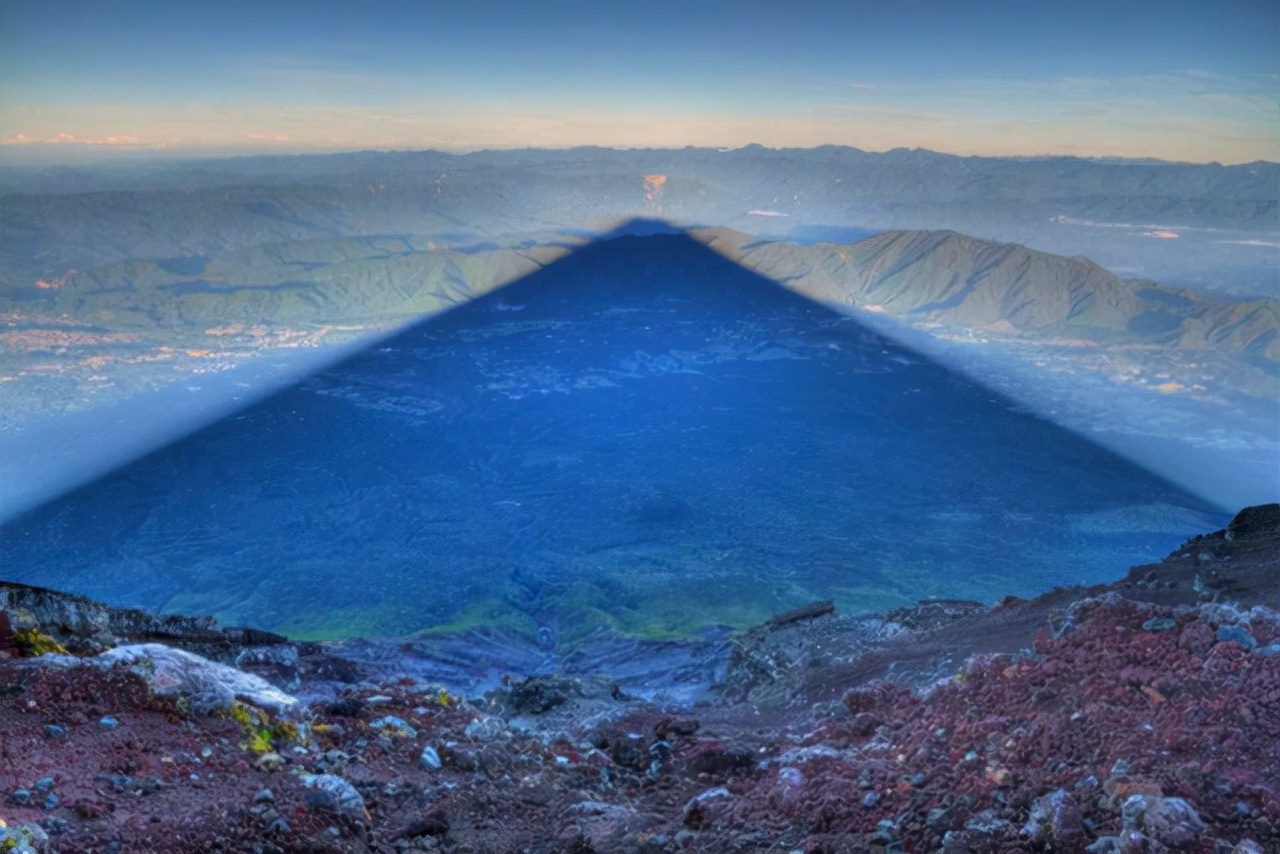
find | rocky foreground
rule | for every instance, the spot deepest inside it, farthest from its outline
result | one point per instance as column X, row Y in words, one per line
column 1141, row 716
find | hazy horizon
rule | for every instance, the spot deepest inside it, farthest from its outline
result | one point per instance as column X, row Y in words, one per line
column 89, row 155
column 1178, row 81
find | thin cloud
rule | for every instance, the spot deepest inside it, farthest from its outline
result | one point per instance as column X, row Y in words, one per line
column 70, row 139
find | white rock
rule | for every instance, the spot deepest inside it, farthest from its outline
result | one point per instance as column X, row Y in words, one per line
column 430, row 759
column 209, row 685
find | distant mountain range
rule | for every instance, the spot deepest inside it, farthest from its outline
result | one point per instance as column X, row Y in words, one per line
column 923, row 277
column 1207, row 226
column 340, row 280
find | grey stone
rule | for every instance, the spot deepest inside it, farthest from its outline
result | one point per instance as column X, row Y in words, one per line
column 1055, row 818
column 1238, row 634
column 1168, row 821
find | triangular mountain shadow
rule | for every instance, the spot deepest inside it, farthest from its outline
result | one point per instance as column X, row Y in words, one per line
column 641, row 438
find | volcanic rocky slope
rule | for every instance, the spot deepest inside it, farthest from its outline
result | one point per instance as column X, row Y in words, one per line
column 1138, row 716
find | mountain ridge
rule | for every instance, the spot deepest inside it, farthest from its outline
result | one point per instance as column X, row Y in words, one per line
column 946, row 277
column 52, row 220
column 931, row 276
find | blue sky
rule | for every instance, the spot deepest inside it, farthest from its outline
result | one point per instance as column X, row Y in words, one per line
column 1175, row 79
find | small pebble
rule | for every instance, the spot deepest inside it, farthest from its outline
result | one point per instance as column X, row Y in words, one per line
column 334, row 760
column 108, row 723
column 334, row 794
column 45, row 784
column 1159, row 624
column 1171, row 822
column 393, row 725
column 430, row 758
column 52, row 731
column 57, row 826
column 21, row 797
column 1238, row 634
column 1088, row 783
column 269, row 762
column 870, row 799
column 51, row 801
column 718, row 793
column 490, row 728
column 887, row 835
column 264, row 796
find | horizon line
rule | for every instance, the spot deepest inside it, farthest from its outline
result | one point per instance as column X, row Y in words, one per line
column 92, row 153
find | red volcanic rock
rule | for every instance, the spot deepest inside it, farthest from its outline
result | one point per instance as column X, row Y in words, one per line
column 1074, row 720
column 1138, row 710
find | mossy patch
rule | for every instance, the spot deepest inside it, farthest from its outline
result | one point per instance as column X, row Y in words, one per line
column 261, row 733
column 369, row 621
column 636, row 608
column 32, row 642
column 486, row 614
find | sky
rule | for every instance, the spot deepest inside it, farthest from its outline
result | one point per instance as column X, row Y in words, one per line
column 1172, row 79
